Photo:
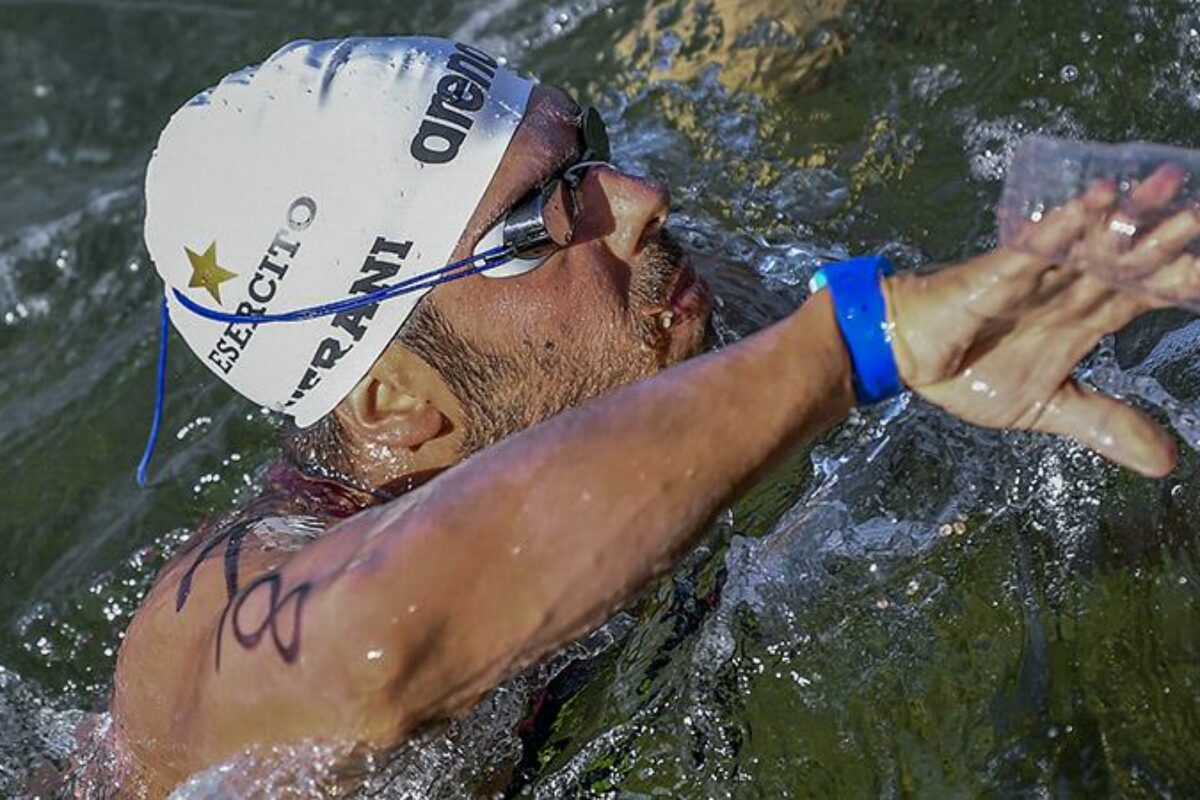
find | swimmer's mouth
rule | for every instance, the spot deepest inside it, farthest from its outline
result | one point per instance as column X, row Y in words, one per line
column 689, row 299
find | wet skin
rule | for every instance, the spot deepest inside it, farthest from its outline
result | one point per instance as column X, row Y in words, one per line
column 408, row 611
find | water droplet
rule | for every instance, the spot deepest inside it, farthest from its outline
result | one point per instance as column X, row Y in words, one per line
column 374, row 655
column 1069, row 73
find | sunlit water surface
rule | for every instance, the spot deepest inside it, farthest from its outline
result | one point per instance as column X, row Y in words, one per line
column 913, row 608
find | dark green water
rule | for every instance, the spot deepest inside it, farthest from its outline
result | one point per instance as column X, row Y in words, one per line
column 913, row 609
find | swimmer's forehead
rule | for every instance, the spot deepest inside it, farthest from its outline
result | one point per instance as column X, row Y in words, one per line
column 546, row 139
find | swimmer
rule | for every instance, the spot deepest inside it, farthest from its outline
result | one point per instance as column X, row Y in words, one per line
column 488, row 467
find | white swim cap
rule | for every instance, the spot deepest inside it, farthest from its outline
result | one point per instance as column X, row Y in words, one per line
column 330, row 170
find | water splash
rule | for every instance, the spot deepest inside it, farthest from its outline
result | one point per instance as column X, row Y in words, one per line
column 912, row 607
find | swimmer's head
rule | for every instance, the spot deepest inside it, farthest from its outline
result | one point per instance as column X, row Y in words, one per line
column 476, row 359
column 329, row 170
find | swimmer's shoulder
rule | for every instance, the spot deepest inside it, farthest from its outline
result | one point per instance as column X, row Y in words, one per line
column 172, row 645
column 290, row 510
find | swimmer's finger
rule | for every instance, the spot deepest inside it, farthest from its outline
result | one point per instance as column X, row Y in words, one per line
column 1160, row 246
column 1065, row 224
column 1157, row 248
column 1112, row 240
column 1117, row 235
column 1156, row 191
column 1112, row 428
column 1100, row 196
column 1155, row 266
column 1177, row 283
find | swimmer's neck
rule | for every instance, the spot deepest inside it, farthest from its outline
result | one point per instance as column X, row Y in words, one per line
column 359, row 491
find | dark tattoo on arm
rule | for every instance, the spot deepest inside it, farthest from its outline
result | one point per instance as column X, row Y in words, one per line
column 277, row 603
column 233, row 536
column 249, row 636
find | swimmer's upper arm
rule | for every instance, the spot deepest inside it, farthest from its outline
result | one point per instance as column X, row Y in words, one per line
column 359, row 636
column 163, row 693
column 299, row 650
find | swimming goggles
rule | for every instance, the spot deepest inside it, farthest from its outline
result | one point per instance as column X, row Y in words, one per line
column 544, row 220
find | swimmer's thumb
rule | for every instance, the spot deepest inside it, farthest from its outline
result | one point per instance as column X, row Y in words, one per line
column 1113, row 429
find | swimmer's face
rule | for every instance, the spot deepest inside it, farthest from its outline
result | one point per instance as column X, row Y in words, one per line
column 618, row 304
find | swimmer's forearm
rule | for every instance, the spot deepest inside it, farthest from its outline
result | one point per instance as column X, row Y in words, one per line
column 539, row 538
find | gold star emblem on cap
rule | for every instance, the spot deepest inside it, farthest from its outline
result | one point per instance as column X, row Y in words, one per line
column 206, row 272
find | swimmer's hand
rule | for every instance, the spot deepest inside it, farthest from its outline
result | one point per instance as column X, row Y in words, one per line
column 994, row 340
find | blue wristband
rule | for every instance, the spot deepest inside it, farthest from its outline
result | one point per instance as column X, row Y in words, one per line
column 855, row 287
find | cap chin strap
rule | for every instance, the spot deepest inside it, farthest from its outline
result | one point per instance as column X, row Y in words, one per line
column 587, row 165
column 472, row 265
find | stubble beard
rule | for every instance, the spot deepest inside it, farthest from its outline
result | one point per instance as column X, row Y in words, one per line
column 525, row 390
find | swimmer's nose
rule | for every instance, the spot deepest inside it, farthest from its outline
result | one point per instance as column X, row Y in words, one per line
column 637, row 208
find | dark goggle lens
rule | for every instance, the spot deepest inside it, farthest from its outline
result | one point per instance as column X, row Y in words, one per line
column 545, row 218
column 595, row 136
column 525, row 229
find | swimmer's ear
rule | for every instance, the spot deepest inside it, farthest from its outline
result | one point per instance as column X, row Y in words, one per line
column 393, row 405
